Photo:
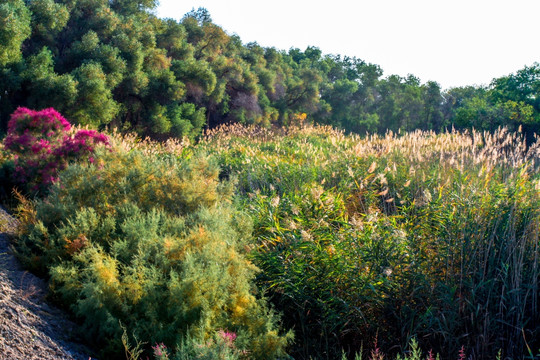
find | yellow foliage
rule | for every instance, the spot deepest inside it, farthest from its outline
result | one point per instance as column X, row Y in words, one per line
column 105, row 270
column 299, row 117
column 241, row 304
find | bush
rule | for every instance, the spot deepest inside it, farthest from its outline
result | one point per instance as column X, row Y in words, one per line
column 7, row 169
column 154, row 243
column 43, row 144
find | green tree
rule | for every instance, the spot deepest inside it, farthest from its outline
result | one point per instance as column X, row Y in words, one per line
column 94, row 99
column 14, row 29
column 201, row 16
column 186, row 120
column 44, row 87
column 432, row 115
column 144, row 69
column 519, row 94
column 455, row 98
column 48, row 19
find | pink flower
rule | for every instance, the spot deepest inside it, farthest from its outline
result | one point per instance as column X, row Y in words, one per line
column 462, row 353
column 160, row 350
column 229, row 337
column 42, row 145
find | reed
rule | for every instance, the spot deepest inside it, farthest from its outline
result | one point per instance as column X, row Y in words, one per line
column 424, row 235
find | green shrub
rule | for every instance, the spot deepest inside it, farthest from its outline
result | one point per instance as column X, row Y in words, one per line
column 7, row 169
column 155, row 243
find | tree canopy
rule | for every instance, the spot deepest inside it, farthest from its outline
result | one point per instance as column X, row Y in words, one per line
column 115, row 63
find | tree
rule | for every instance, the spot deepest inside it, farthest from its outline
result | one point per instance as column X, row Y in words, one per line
column 201, row 16
column 433, row 116
column 44, row 88
column 95, row 105
column 129, row 7
column 519, row 94
column 14, row 29
column 48, row 19
column 113, row 62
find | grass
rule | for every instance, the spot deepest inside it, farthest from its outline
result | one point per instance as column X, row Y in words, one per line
column 426, row 235
column 365, row 245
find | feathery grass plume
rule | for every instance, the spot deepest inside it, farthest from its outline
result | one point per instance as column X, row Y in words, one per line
column 437, row 241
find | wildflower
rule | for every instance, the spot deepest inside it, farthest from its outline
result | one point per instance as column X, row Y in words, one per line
column 228, row 336
column 160, row 351
column 462, row 353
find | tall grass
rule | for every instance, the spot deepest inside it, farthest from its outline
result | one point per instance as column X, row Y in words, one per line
column 426, row 235
column 364, row 244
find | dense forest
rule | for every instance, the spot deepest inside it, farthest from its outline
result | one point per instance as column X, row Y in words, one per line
column 114, row 63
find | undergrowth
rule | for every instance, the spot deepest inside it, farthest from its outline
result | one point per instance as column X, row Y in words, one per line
column 420, row 241
column 153, row 244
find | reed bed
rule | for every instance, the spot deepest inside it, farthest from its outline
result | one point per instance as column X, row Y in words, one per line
column 396, row 236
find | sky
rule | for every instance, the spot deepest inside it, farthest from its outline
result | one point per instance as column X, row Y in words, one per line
column 456, row 43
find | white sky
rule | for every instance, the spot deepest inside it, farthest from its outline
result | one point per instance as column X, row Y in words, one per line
column 456, row 43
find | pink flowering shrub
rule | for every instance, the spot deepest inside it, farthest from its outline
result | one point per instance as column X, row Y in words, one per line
column 160, row 352
column 43, row 143
column 228, row 337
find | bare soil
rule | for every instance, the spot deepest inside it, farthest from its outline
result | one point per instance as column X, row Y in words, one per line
column 30, row 328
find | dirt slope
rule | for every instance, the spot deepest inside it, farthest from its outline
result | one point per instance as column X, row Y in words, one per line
column 29, row 327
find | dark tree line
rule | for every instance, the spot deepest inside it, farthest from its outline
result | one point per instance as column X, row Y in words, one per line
column 113, row 62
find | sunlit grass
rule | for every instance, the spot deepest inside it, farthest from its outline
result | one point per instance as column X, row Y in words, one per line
column 364, row 243
column 401, row 235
